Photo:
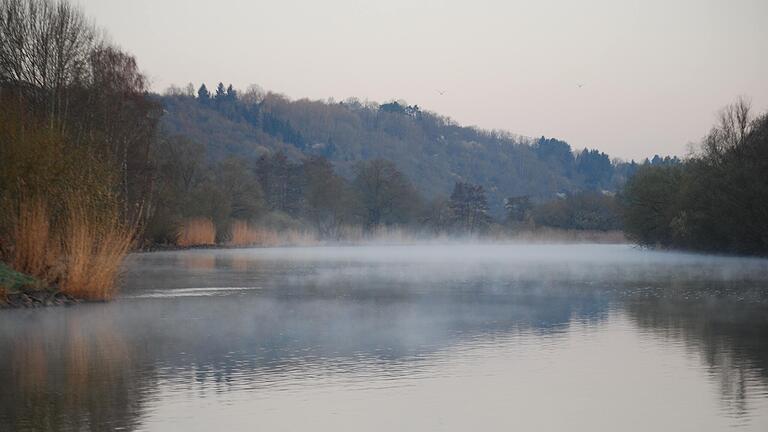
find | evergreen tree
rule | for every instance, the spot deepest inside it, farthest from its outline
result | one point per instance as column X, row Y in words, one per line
column 220, row 92
column 203, row 95
column 595, row 167
column 231, row 93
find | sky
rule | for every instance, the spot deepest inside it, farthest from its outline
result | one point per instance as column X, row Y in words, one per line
column 631, row 78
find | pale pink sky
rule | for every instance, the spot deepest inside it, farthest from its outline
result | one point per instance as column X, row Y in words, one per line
column 654, row 72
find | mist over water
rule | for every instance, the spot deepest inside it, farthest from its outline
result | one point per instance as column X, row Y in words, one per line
column 432, row 337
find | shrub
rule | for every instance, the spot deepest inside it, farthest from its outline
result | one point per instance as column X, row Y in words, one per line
column 32, row 245
column 94, row 249
column 197, row 232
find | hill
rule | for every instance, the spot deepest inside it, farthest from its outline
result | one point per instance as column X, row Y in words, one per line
column 433, row 151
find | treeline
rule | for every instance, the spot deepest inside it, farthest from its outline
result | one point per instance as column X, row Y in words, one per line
column 238, row 201
column 717, row 201
column 431, row 150
column 76, row 132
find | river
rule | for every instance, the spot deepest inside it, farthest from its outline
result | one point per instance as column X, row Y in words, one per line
column 436, row 337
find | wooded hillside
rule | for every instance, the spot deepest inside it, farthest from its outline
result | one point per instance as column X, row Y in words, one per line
column 433, row 151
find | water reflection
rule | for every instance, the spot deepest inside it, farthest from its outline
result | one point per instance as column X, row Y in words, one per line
column 251, row 329
column 729, row 336
column 60, row 372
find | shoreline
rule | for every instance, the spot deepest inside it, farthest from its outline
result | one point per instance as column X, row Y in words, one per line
column 536, row 236
column 34, row 296
column 36, row 299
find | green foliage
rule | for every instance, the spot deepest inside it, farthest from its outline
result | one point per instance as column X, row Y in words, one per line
column 13, row 281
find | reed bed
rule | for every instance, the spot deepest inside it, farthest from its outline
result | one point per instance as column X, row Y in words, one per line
column 197, row 232
column 78, row 250
column 244, row 234
column 33, row 248
column 94, row 252
column 555, row 235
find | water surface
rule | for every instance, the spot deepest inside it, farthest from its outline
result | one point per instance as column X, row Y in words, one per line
column 407, row 338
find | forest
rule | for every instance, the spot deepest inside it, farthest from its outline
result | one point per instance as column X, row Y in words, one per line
column 254, row 162
column 716, row 201
column 95, row 165
column 229, row 159
column 433, row 151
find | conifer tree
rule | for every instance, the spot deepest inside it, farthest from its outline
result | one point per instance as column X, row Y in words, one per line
column 203, row 94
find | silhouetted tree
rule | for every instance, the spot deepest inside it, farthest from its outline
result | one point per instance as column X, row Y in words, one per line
column 221, row 93
column 556, row 154
column 231, row 93
column 203, row 95
column 650, row 201
column 280, row 182
column 595, row 167
column 469, row 207
column 328, row 199
column 386, row 195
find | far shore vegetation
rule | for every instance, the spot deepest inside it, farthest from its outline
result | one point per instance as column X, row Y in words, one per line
column 94, row 166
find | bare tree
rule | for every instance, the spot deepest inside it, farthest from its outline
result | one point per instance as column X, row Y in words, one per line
column 45, row 46
column 735, row 124
column 385, row 193
column 94, row 94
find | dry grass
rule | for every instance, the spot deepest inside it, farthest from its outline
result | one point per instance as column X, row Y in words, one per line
column 197, row 232
column 94, row 252
column 298, row 238
column 244, row 234
column 350, row 233
column 395, row 235
column 555, row 235
column 32, row 251
column 81, row 249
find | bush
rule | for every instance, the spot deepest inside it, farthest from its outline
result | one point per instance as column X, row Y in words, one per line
column 94, row 249
column 197, row 232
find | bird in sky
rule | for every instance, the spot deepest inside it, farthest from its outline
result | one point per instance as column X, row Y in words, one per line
column 442, row 92
column 580, row 85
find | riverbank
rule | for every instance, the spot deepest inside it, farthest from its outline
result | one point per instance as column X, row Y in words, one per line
column 405, row 237
column 36, row 299
column 19, row 290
